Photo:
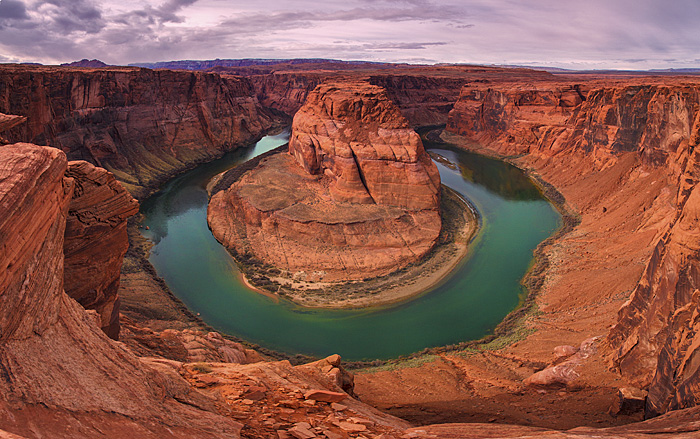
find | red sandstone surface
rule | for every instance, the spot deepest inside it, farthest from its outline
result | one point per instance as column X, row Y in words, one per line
column 356, row 197
column 624, row 157
column 96, row 241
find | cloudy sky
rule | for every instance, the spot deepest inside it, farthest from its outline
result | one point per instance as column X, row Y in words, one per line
column 625, row 34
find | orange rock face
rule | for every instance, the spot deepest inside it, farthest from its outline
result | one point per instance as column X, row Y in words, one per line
column 357, row 198
column 96, row 241
column 355, row 135
column 644, row 128
column 8, row 121
column 143, row 125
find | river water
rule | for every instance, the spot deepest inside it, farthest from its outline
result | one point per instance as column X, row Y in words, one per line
column 465, row 306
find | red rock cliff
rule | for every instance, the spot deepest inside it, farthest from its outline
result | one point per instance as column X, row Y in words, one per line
column 96, row 241
column 425, row 96
column 643, row 127
column 61, row 375
column 143, row 125
column 352, row 133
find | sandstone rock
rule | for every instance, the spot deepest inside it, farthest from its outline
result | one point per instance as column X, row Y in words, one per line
column 96, row 241
column 350, row 426
column 8, row 121
column 353, row 133
column 333, row 360
column 141, row 124
column 630, row 400
column 564, row 351
column 325, row 395
column 302, row 430
column 363, row 203
column 564, row 373
column 58, row 365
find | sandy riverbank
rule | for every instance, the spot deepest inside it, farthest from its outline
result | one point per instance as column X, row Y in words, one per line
column 460, row 223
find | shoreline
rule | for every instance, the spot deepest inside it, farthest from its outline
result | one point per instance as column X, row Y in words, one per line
column 461, row 223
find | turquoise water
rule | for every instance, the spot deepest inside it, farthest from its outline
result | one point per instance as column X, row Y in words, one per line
column 467, row 305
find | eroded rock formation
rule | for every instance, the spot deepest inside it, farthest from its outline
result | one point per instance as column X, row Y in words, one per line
column 61, row 373
column 352, row 133
column 357, row 196
column 96, row 241
column 142, row 125
column 63, row 378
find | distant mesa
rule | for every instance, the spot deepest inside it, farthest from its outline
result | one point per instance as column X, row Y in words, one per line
column 355, row 196
column 214, row 63
column 90, row 63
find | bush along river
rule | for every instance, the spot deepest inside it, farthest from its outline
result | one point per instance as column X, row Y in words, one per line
column 466, row 305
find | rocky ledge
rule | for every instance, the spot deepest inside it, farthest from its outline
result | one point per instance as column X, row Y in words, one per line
column 356, row 197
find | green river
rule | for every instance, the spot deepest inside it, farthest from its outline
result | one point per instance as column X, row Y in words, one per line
column 467, row 305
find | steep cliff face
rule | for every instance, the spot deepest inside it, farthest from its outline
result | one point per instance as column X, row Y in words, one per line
column 644, row 128
column 142, row 125
column 286, row 92
column 356, row 197
column 355, row 135
column 62, row 375
column 657, row 329
column 423, row 99
column 96, row 241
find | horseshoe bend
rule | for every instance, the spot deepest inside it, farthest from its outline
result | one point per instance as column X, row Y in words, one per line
column 604, row 345
column 355, row 197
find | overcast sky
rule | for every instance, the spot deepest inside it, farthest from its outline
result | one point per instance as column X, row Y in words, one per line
column 636, row 34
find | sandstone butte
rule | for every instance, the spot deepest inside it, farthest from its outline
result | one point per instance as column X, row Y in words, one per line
column 620, row 150
column 355, row 197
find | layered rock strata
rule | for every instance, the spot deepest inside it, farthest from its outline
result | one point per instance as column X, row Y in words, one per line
column 96, row 241
column 618, row 135
column 140, row 124
column 8, row 121
column 424, row 94
column 357, row 196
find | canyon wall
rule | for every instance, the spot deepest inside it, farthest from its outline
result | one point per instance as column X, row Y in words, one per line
column 423, row 99
column 571, row 131
column 142, row 125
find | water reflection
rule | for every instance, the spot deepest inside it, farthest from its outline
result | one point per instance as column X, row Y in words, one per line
column 502, row 179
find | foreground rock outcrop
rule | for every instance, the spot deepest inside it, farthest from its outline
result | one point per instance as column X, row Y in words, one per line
column 357, row 196
column 140, row 124
column 96, row 241
column 62, row 375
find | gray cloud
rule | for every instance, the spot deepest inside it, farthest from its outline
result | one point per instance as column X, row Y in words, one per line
column 13, row 10
column 568, row 33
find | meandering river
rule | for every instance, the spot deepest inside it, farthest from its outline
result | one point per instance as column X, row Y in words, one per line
column 467, row 305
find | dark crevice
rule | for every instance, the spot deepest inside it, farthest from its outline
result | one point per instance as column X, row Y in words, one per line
column 362, row 175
